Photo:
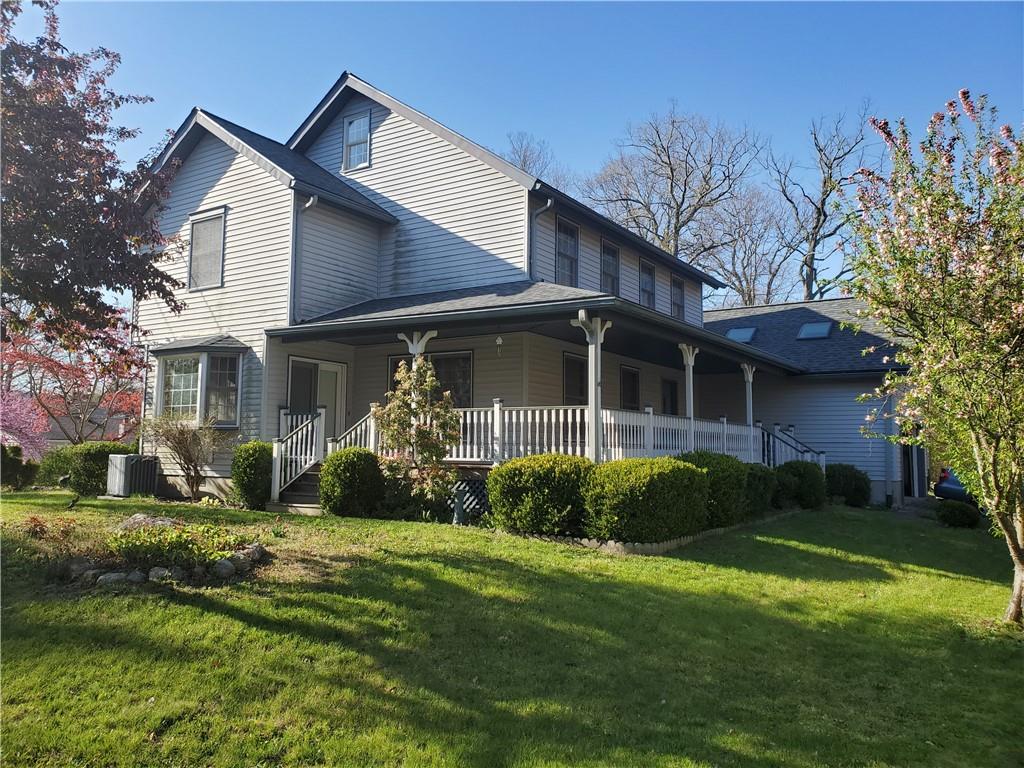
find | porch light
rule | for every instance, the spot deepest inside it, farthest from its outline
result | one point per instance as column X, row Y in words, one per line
column 498, row 341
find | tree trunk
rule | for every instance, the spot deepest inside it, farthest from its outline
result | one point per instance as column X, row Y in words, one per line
column 1015, row 610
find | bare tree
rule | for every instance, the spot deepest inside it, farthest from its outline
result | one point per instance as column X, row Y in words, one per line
column 534, row 155
column 756, row 256
column 812, row 196
column 668, row 174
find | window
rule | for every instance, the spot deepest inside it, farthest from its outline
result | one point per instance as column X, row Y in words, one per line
column 201, row 385
column 567, row 259
column 817, row 330
column 574, row 380
column 670, row 397
column 678, row 298
column 647, row 284
column 357, row 141
column 609, row 268
column 629, row 388
column 454, row 371
column 744, row 335
column 206, row 251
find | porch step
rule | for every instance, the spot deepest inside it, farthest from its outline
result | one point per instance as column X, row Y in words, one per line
column 305, row 491
column 309, row 510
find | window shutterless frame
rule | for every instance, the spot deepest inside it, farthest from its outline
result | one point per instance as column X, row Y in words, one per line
column 346, row 142
column 568, row 357
column 204, row 367
column 195, row 218
column 611, row 250
column 678, row 298
column 646, row 266
column 625, row 372
column 559, row 278
column 393, row 361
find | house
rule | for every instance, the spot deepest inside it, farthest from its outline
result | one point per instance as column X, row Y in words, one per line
column 374, row 233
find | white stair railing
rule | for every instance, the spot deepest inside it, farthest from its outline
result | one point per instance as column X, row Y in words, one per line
column 297, row 451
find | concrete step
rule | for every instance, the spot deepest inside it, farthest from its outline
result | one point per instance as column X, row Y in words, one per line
column 308, row 510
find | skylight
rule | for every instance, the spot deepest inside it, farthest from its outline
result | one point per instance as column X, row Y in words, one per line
column 745, row 335
column 816, row 330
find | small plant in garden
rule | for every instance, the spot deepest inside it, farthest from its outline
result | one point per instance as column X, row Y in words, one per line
column 852, row 484
column 191, row 445
column 958, row 514
column 211, row 502
column 35, row 527
column 351, row 483
column 802, row 483
column 251, row 470
column 187, row 545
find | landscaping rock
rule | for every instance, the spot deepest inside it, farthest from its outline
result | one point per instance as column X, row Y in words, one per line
column 90, row 576
column 140, row 520
column 241, row 562
column 157, row 573
column 178, row 573
column 224, row 569
column 198, row 574
column 111, row 579
column 137, row 577
column 255, row 552
column 79, row 565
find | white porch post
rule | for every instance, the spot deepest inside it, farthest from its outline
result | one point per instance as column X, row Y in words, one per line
column 748, row 377
column 498, row 432
column 648, row 431
column 373, row 436
column 689, row 357
column 275, row 475
column 595, row 329
column 725, row 434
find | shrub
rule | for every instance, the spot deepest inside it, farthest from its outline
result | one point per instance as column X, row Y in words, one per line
column 15, row 471
column 727, row 485
column 251, row 468
column 539, row 494
column 55, row 465
column 644, row 500
column 87, row 465
column 187, row 545
column 802, row 482
column 760, row 490
column 351, row 483
column 192, row 446
column 958, row 514
column 847, row 481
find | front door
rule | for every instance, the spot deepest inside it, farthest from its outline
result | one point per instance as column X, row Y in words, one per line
column 314, row 384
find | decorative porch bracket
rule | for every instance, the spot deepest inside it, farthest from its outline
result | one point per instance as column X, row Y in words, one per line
column 595, row 329
column 748, row 378
column 689, row 358
column 418, row 345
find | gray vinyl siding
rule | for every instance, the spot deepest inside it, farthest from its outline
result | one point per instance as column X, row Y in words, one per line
column 590, row 267
column 278, row 354
column 461, row 222
column 338, row 260
column 257, row 255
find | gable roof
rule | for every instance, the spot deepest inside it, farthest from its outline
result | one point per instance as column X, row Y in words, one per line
column 291, row 168
column 330, row 105
column 842, row 351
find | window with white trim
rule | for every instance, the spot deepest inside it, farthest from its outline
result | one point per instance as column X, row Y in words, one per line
column 201, row 385
column 647, row 284
column 567, row 258
column 609, row 268
column 454, row 372
column 206, row 251
column 678, row 298
column 357, row 141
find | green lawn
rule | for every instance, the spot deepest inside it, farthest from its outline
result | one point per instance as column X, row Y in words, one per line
column 835, row 638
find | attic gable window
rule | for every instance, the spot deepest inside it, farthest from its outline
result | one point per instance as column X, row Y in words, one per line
column 357, row 141
column 743, row 335
column 206, row 250
column 816, row 330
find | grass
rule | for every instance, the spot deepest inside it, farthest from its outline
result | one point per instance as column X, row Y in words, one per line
column 835, row 638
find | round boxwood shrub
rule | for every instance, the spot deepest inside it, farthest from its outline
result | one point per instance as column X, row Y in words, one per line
column 958, row 514
column 351, row 483
column 251, row 468
column 539, row 494
column 87, row 471
column 802, row 482
column 55, row 466
column 645, row 500
column 727, row 486
column 760, row 490
column 852, row 484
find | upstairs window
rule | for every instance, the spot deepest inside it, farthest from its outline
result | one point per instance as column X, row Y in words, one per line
column 743, row 335
column 199, row 386
column 609, row 269
column 678, row 298
column 647, row 284
column 817, row 330
column 567, row 260
column 629, row 388
column 206, row 250
column 357, row 141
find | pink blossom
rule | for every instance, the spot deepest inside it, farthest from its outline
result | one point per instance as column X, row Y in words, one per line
column 22, row 423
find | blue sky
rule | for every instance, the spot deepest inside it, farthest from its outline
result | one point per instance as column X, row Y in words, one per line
column 573, row 73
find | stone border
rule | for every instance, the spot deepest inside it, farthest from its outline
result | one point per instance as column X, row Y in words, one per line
column 654, row 548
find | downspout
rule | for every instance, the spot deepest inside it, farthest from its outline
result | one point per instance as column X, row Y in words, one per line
column 533, row 218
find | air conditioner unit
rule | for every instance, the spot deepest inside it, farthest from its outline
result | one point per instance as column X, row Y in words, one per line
column 129, row 473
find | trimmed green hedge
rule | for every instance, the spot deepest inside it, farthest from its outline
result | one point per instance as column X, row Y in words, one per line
column 803, row 483
column 852, row 484
column 958, row 514
column 15, row 471
column 645, row 500
column 54, row 465
column 760, row 490
column 87, row 465
column 539, row 494
column 727, row 486
column 351, row 483
column 251, row 468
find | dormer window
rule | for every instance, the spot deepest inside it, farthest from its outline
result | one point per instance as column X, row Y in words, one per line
column 742, row 335
column 816, row 330
column 357, row 141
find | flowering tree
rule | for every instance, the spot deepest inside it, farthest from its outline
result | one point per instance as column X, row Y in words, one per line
column 22, row 423
column 940, row 263
column 76, row 228
column 92, row 390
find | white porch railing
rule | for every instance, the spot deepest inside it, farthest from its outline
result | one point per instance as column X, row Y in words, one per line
column 298, row 450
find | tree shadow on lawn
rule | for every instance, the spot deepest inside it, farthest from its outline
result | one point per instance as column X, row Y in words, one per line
column 495, row 664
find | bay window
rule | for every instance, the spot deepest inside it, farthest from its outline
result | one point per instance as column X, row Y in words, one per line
column 200, row 386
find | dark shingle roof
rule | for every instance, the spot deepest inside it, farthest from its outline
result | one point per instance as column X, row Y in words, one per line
column 300, row 167
column 778, row 325
column 521, row 292
column 214, row 342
